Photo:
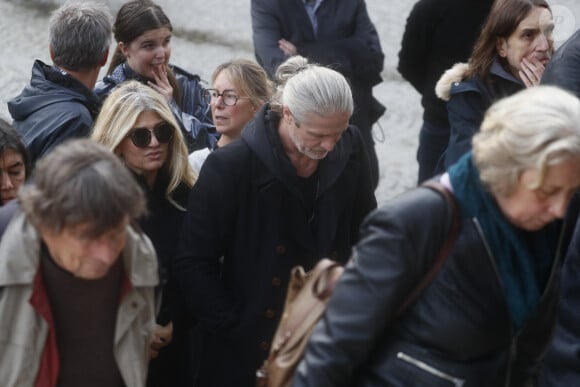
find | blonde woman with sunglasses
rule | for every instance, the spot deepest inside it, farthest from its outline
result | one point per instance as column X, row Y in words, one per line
column 137, row 124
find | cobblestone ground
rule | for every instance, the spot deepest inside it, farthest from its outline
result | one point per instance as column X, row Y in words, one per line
column 208, row 33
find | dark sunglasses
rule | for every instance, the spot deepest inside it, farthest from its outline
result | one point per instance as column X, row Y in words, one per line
column 141, row 137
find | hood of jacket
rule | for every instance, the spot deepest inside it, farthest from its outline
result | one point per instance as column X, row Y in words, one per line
column 458, row 74
column 455, row 74
column 48, row 86
column 261, row 135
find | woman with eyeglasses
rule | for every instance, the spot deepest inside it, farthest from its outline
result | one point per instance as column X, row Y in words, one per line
column 240, row 88
column 143, row 34
column 137, row 124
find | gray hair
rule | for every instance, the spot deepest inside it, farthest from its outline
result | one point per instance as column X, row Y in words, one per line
column 534, row 128
column 307, row 88
column 81, row 182
column 80, row 35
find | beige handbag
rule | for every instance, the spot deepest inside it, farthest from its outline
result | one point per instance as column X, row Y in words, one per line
column 306, row 300
column 308, row 294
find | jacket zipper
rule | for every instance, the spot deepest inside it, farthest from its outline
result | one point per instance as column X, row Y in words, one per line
column 457, row 382
column 514, row 336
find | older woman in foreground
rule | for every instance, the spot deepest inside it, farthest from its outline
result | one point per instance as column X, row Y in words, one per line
column 487, row 317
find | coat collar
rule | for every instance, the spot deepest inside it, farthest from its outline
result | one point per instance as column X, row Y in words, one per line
column 123, row 72
column 262, row 137
column 497, row 69
column 20, row 255
column 50, row 85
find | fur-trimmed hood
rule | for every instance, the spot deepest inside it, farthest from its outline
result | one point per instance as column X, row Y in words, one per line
column 457, row 73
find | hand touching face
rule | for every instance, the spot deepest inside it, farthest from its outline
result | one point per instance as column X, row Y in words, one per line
column 529, row 48
column 148, row 55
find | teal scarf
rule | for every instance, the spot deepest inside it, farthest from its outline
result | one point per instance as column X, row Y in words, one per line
column 523, row 258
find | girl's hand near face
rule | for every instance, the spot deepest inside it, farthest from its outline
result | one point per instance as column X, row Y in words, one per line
column 161, row 83
column 531, row 71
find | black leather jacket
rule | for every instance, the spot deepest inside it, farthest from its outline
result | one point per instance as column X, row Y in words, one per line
column 459, row 331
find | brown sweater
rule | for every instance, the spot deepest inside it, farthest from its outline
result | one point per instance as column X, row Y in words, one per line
column 84, row 314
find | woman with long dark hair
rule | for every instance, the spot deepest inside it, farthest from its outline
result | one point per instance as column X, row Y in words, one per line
column 510, row 54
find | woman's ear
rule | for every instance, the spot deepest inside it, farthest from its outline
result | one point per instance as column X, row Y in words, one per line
column 501, row 47
column 124, row 49
column 286, row 115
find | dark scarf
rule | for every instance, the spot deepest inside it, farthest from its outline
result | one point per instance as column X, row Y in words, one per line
column 523, row 258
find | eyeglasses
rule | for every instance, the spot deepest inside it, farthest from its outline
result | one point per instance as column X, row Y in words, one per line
column 229, row 97
column 141, row 137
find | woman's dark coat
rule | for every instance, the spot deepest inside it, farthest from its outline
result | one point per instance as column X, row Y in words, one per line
column 162, row 225
column 247, row 208
column 459, row 329
column 468, row 100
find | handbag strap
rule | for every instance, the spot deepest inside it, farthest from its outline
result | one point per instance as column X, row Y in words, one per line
column 445, row 248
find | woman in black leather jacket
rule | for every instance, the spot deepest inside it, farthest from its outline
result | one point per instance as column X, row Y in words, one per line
column 487, row 317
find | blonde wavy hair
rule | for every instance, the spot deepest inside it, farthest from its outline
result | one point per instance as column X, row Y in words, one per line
column 120, row 112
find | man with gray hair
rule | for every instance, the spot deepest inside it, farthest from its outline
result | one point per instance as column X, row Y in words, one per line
column 77, row 279
column 59, row 103
column 292, row 190
column 338, row 34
